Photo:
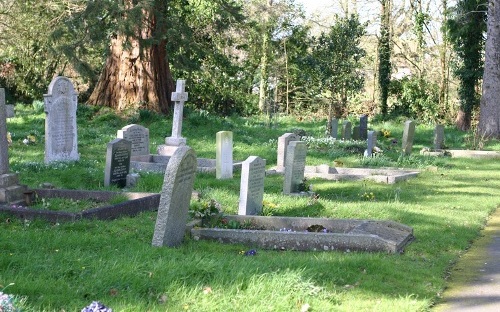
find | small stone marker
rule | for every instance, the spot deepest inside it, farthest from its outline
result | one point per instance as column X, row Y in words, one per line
column 61, row 140
column 283, row 142
column 335, row 128
column 117, row 162
column 175, row 198
column 139, row 137
column 224, row 155
column 363, row 127
column 10, row 111
column 408, row 134
column 355, row 133
column 371, row 142
column 295, row 166
column 439, row 137
column 253, row 172
column 346, row 130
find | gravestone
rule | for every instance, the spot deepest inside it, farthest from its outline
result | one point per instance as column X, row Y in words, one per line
column 439, row 137
column 10, row 111
column 224, row 155
column 117, row 162
column 363, row 127
column 172, row 142
column 371, row 142
column 10, row 190
column 253, row 171
column 294, row 167
column 335, row 128
column 283, row 142
column 175, row 198
column 346, row 130
column 355, row 133
column 408, row 134
column 61, row 140
column 139, row 138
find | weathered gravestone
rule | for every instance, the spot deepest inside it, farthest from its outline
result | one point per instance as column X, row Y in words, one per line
column 172, row 142
column 175, row 198
column 346, row 130
column 295, row 166
column 363, row 127
column 371, row 142
column 224, row 155
column 117, row 162
column 61, row 140
column 139, row 137
column 283, row 142
column 10, row 190
column 355, row 133
column 439, row 137
column 253, row 171
column 335, row 128
column 408, row 134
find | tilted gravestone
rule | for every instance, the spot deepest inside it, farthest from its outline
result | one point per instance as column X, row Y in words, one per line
column 283, row 142
column 172, row 142
column 335, row 128
column 224, row 155
column 139, row 137
column 408, row 134
column 371, row 142
column 61, row 140
column 346, row 130
column 363, row 127
column 355, row 133
column 175, row 198
column 117, row 162
column 295, row 166
column 253, row 172
column 439, row 137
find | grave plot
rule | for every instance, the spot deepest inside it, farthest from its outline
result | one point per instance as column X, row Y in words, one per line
column 311, row 234
column 382, row 175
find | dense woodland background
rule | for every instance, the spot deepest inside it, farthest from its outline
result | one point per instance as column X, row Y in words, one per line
column 421, row 59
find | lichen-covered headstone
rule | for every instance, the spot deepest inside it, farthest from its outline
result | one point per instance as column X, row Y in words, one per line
column 283, row 142
column 139, row 137
column 224, row 155
column 117, row 162
column 253, row 172
column 408, row 134
column 175, row 198
column 61, row 140
column 295, row 166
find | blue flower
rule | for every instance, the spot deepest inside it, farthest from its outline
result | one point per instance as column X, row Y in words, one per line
column 96, row 306
column 251, row 252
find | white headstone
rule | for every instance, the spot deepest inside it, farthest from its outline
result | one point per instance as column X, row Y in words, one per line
column 138, row 136
column 61, row 140
column 253, row 171
column 408, row 134
column 371, row 142
column 178, row 97
column 224, row 155
column 294, row 167
column 117, row 162
column 283, row 142
column 175, row 198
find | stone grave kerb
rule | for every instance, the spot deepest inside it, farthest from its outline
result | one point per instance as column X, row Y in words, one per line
column 253, row 172
column 175, row 198
column 61, row 138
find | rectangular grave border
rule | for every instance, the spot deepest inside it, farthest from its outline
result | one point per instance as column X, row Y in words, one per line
column 138, row 202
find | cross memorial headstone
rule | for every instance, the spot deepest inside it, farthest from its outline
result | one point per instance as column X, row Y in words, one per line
column 253, row 172
column 295, row 166
column 175, row 198
column 408, row 134
column 346, row 130
column 283, row 142
column 117, row 162
column 139, row 137
column 224, row 155
column 439, row 137
column 61, row 140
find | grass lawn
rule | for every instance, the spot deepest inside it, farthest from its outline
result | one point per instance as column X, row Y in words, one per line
column 64, row 267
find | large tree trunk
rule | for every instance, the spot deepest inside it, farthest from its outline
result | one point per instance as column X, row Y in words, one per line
column 489, row 117
column 135, row 74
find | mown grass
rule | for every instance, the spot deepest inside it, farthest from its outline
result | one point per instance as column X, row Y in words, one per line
column 64, row 267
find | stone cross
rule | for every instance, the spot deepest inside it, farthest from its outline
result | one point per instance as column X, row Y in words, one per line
column 253, row 172
column 179, row 97
column 4, row 145
column 224, row 155
column 408, row 134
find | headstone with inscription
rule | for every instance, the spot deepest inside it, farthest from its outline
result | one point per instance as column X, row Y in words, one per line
column 295, row 166
column 117, row 162
column 335, row 128
column 363, row 127
column 253, row 171
column 439, row 137
column 139, row 137
column 61, row 140
column 371, row 142
column 224, row 155
column 176, row 139
column 175, row 198
column 408, row 134
column 283, row 142
column 346, row 130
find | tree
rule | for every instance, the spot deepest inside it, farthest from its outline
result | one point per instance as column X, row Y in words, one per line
column 384, row 55
column 466, row 28
column 489, row 118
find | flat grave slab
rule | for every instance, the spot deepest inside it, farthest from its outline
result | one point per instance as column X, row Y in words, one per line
column 136, row 203
column 290, row 233
column 473, row 154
